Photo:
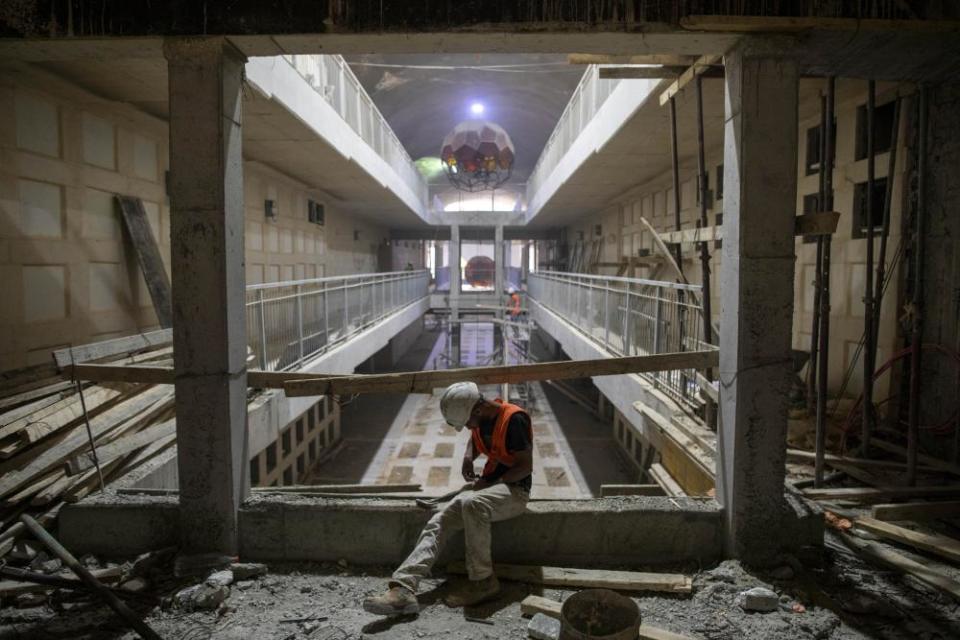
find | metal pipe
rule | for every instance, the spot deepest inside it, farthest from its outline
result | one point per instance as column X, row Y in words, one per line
column 824, row 355
column 818, row 265
column 868, row 337
column 916, row 337
column 675, row 153
column 710, row 414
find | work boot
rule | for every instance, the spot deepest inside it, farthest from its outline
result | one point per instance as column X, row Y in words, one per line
column 397, row 601
column 474, row 592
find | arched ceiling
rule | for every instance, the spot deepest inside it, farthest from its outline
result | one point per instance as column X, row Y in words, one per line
column 424, row 96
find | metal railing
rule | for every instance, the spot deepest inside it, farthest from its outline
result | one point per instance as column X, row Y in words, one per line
column 629, row 317
column 586, row 100
column 290, row 322
column 332, row 78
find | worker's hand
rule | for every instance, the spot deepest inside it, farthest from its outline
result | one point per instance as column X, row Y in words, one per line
column 481, row 483
column 468, row 473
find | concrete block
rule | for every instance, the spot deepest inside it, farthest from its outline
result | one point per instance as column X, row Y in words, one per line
column 117, row 525
column 759, row 599
column 543, row 627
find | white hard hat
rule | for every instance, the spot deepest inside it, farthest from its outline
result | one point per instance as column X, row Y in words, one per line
column 457, row 403
column 511, row 290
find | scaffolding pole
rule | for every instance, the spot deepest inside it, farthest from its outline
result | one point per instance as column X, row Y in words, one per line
column 709, row 410
column 916, row 334
column 869, row 339
column 675, row 153
column 815, row 330
column 823, row 363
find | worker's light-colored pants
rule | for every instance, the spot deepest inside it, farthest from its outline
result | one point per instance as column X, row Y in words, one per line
column 472, row 511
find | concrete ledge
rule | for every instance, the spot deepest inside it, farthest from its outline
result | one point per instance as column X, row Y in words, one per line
column 630, row 531
column 119, row 525
column 641, row 531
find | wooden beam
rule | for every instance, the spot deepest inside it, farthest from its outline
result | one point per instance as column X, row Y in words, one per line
column 930, row 461
column 148, row 255
column 657, row 59
column 426, row 381
column 858, row 494
column 640, row 73
column 665, row 480
column 610, row 490
column 773, row 24
column 112, row 348
column 700, row 66
column 798, row 455
column 927, row 575
column 916, row 511
column 343, row 488
column 810, row 224
column 164, row 375
column 589, row 578
column 121, row 446
column 532, row 605
column 943, row 546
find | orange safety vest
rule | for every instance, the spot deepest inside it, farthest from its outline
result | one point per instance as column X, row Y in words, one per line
column 497, row 453
column 515, row 311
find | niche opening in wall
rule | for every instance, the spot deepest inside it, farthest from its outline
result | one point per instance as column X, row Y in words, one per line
column 316, row 212
column 270, row 209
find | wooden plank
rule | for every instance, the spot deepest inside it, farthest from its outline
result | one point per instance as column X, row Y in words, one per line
column 710, row 388
column 798, row 455
column 886, row 557
column 917, row 511
column 702, row 64
column 426, row 381
column 939, row 545
column 121, row 446
column 52, row 387
column 641, row 73
column 810, row 224
column 144, row 456
column 655, row 58
column 124, row 416
column 610, row 490
column 532, row 605
column 665, row 480
column 112, row 348
column 344, row 488
column 588, row 578
column 930, row 461
column 786, row 24
column 155, row 374
column 703, row 458
column 859, row 494
column 148, row 255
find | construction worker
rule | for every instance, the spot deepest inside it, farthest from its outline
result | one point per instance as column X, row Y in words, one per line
column 502, row 432
column 514, row 303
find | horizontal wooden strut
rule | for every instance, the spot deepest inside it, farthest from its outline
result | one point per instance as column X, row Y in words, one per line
column 426, row 381
column 317, row 384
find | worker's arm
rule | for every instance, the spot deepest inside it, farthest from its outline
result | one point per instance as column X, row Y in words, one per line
column 522, row 466
column 468, row 457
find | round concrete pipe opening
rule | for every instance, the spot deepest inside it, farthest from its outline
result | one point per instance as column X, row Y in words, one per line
column 599, row 614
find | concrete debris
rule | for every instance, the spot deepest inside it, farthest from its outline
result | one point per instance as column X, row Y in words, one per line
column 244, row 585
column 201, row 596
column 220, row 578
column 759, row 599
column 543, row 627
column 27, row 600
column 150, row 560
column 200, row 564
column 90, row 561
column 135, row 585
column 248, row 570
column 51, row 566
column 23, row 551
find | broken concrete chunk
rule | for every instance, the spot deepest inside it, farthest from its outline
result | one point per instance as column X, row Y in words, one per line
column 23, row 551
column 27, row 600
column 220, row 578
column 248, row 570
column 201, row 596
column 51, row 566
column 759, row 599
column 543, row 627
column 135, row 585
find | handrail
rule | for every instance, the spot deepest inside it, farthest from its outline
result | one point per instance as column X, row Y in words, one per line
column 560, row 275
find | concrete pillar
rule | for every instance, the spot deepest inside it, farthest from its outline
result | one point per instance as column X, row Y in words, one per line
column 437, row 258
column 209, row 325
column 525, row 261
column 759, row 205
column 455, row 292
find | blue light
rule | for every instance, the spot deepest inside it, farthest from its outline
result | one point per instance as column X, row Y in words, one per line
column 476, row 108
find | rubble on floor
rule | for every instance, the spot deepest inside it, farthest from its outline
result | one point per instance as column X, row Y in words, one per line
column 832, row 594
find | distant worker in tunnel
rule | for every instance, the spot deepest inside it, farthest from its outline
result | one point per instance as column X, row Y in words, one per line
column 514, row 308
column 502, row 432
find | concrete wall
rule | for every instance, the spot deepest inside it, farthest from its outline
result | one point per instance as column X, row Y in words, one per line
column 622, row 233
column 289, row 459
column 68, row 275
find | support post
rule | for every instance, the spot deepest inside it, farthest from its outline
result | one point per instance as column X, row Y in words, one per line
column 209, row 321
column 916, row 330
column 760, row 181
column 455, row 294
column 710, row 410
column 869, row 340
